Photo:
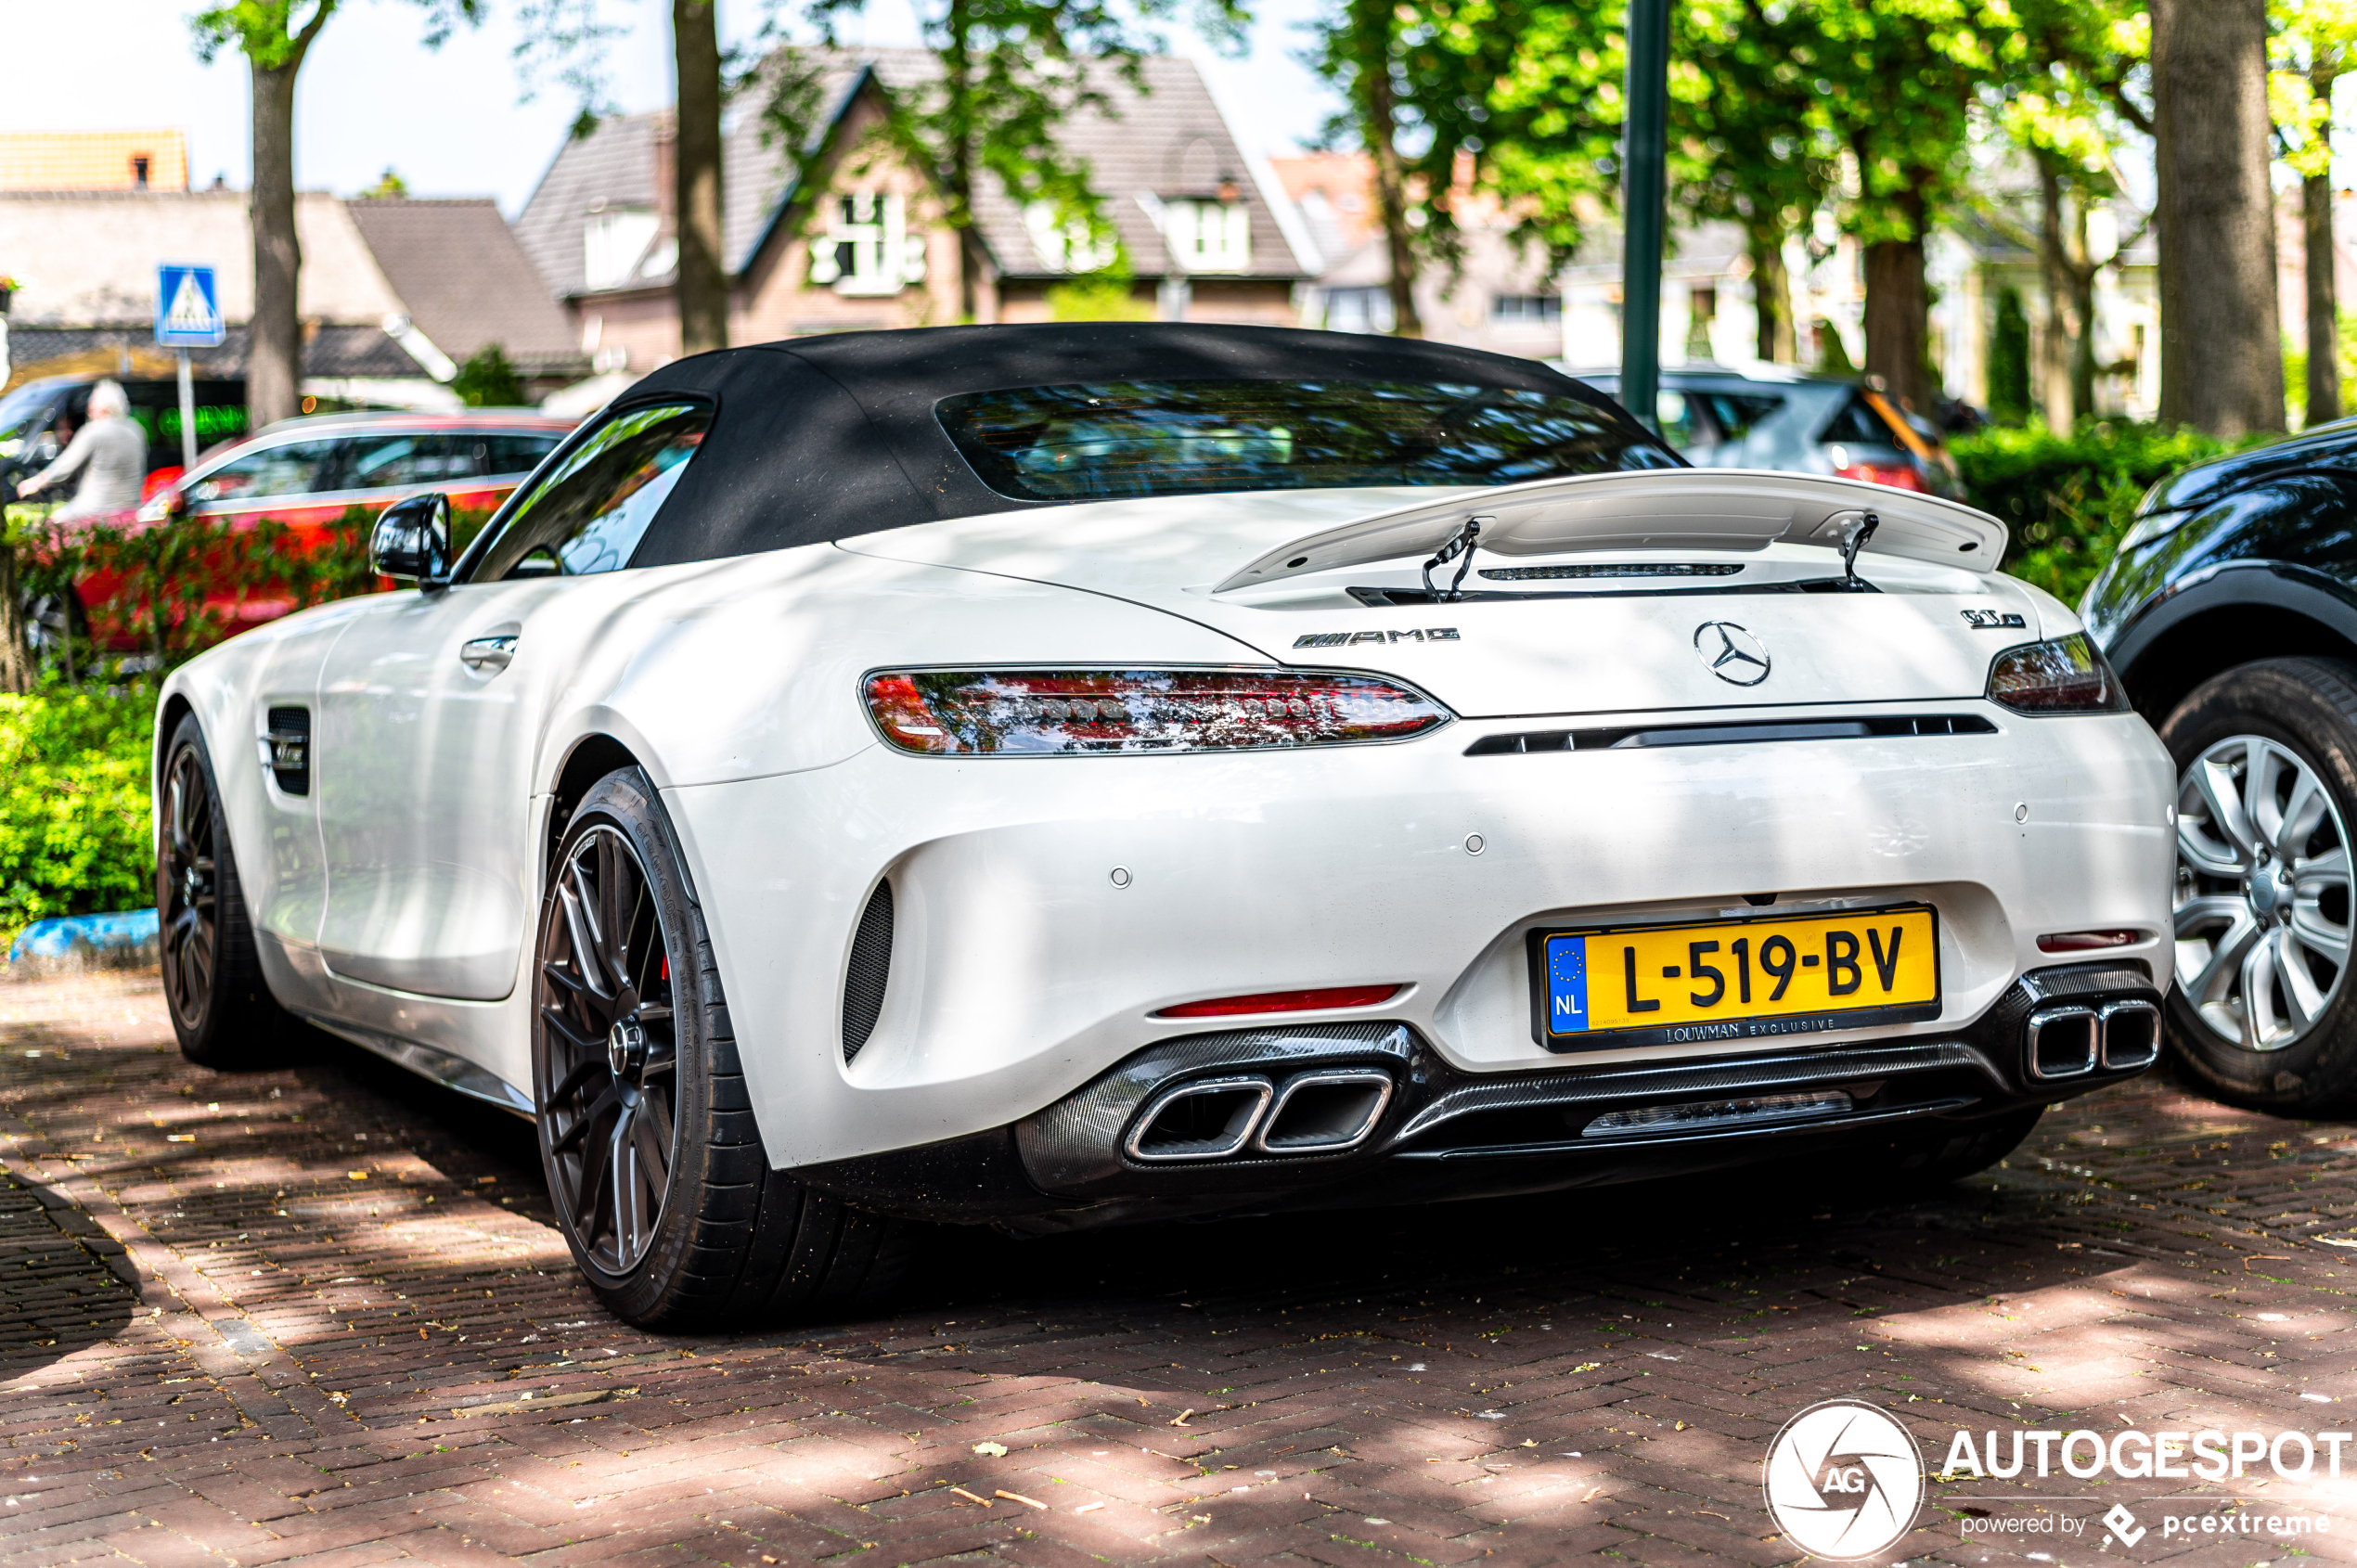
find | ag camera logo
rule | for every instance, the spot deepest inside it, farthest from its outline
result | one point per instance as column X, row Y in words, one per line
column 1844, row 1481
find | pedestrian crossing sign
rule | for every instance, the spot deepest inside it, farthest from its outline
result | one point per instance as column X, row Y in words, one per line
column 188, row 308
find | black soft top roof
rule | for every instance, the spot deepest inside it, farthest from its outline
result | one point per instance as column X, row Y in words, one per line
column 824, row 438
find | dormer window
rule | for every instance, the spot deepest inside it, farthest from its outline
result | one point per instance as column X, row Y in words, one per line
column 867, row 249
column 1208, row 236
column 613, row 243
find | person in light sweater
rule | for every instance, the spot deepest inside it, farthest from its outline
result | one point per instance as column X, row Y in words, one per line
column 109, row 451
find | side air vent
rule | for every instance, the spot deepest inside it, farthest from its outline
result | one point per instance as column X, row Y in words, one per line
column 863, row 989
column 286, row 749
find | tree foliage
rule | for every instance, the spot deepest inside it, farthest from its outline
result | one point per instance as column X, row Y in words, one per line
column 488, row 381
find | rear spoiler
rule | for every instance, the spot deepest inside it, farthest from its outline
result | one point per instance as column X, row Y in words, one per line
column 1652, row 510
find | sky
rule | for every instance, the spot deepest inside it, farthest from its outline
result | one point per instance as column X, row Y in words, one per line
column 454, row 122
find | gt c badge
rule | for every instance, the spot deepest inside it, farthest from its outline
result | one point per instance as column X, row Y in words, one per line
column 1732, row 653
column 1991, row 620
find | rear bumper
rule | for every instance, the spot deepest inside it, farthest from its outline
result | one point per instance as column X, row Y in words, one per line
column 1434, row 1132
column 1022, row 968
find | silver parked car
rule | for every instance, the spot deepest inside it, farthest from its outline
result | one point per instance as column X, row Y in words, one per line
column 1766, row 416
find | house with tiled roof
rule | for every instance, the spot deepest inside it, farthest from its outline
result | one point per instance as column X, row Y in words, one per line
column 467, row 285
column 1208, row 231
column 393, row 296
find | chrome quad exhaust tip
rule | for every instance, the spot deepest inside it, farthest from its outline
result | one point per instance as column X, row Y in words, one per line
column 1318, row 1113
column 1326, row 1112
column 2071, row 1040
column 2064, row 1042
column 1203, row 1118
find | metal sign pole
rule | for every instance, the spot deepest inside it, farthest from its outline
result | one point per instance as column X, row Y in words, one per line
column 1642, row 163
column 187, row 414
column 188, row 316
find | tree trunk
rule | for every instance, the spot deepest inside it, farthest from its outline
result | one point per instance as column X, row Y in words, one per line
column 2222, row 367
column 2058, row 344
column 1370, row 26
column 1899, row 320
column 2082, row 309
column 704, row 272
column 958, row 179
column 274, row 344
column 1771, row 293
column 15, row 655
column 2323, row 288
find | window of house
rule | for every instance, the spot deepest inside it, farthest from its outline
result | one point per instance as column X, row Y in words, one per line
column 1064, row 244
column 139, row 170
column 1208, row 236
column 1358, row 309
column 589, row 512
column 613, row 243
column 1527, row 310
column 867, row 249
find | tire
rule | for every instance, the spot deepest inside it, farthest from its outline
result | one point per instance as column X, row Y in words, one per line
column 635, row 1066
column 2264, row 910
column 220, row 1007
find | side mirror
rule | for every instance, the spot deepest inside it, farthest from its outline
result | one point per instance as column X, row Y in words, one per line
column 412, row 541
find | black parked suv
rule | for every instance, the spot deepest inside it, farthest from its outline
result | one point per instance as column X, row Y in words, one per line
column 2231, row 612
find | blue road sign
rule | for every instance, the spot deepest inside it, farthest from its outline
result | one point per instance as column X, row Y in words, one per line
column 188, row 308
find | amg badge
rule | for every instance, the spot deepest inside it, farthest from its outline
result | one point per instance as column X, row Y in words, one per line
column 1351, row 639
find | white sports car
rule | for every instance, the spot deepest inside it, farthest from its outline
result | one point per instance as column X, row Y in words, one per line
column 1059, row 775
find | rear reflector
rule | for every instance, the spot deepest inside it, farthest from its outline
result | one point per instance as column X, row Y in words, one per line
column 1284, row 1001
column 2087, row 941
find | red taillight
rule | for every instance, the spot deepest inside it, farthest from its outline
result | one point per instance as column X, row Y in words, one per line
column 2064, row 676
column 1284, row 1001
column 1898, row 476
column 1017, row 712
column 2087, row 941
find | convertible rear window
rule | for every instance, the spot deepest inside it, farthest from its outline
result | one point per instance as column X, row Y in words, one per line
column 1110, row 440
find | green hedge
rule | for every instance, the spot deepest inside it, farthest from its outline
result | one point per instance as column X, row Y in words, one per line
column 2067, row 499
column 74, row 805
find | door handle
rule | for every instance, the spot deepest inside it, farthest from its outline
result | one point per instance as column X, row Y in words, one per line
column 487, row 655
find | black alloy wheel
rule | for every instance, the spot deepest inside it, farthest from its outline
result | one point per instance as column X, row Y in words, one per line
column 2262, row 1012
column 187, row 907
column 609, row 1051
column 222, row 1011
column 667, row 1198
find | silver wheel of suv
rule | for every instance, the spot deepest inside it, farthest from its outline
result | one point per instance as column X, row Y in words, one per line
column 2263, row 910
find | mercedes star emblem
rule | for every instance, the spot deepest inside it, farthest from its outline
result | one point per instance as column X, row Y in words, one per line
column 1732, row 653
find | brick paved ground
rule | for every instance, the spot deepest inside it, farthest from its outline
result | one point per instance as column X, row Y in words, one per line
column 319, row 1314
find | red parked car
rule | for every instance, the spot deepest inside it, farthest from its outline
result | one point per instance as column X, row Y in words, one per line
column 307, row 474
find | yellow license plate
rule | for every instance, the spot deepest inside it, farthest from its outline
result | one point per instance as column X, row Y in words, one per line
column 1735, row 980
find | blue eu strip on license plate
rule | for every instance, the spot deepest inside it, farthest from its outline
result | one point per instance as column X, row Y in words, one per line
column 1566, row 986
